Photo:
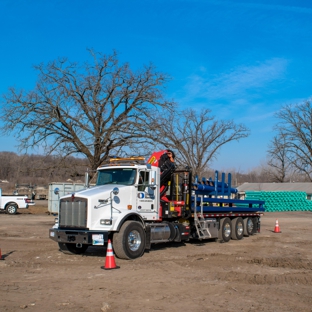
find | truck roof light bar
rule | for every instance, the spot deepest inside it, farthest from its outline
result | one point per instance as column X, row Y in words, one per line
column 139, row 158
column 126, row 160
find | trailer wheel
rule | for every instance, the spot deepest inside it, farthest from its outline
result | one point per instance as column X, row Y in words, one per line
column 255, row 224
column 237, row 228
column 248, row 226
column 72, row 249
column 11, row 208
column 225, row 231
column 129, row 242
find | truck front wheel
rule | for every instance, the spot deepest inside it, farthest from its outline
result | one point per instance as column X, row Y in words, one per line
column 11, row 208
column 129, row 242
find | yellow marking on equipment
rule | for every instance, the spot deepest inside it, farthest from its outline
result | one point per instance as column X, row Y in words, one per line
column 126, row 159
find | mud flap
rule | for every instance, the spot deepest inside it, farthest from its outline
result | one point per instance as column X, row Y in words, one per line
column 148, row 237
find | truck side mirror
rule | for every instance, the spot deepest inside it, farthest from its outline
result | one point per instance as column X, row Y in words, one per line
column 115, row 191
column 152, row 179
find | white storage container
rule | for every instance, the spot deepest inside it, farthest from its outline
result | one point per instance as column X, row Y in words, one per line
column 64, row 189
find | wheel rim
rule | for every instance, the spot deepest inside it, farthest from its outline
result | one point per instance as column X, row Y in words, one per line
column 134, row 240
column 227, row 230
column 240, row 229
column 249, row 226
column 11, row 209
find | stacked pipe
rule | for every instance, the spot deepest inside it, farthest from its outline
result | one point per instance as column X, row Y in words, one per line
column 208, row 186
column 282, row 201
column 217, row 196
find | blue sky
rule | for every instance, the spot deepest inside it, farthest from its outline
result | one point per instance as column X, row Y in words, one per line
column 242, row 59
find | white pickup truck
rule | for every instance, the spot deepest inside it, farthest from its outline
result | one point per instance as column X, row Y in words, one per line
column 10, row 204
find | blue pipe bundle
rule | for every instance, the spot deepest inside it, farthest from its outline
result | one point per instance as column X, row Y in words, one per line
column 203, row 188
column 214, row 187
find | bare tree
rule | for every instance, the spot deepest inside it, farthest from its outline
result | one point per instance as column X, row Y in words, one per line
column 295, row 127
column 278, row 162
column 196, row 136
column 95, row 110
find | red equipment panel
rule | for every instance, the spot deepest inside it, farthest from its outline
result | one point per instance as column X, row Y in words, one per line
column 154, row 159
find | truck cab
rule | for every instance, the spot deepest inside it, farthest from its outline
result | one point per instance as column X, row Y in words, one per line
column 126, row 195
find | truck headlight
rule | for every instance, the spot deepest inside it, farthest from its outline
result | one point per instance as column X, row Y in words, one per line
column 106, row 222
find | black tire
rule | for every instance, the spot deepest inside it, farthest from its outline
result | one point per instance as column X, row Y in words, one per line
column 255, row 222
column 129, row 242
column 237, row 228
column 248, row 226
column 11, row 208
column 225, row 230
column 72, row 249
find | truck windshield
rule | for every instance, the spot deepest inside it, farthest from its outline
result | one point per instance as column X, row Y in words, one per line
column 124, row 176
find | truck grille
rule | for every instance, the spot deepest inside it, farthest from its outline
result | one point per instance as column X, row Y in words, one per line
column 73, row 213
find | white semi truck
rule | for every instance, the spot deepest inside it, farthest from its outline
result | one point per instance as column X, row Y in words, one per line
column 137, row 203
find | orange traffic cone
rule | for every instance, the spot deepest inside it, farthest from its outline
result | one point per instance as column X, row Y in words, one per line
column 1, row 255
column 110, row 263
column 277, row 228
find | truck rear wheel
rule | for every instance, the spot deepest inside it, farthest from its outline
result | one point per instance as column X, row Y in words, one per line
column 255, row 223
column 129, row 242
column 237, row 228
column 72, row 249
column 225, row 231
column 11, row 208
column 248, row 226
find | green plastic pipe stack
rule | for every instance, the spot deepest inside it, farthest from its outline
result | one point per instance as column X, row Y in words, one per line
column 281, row 201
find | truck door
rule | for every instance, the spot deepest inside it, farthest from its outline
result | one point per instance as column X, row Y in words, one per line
column 146, row 198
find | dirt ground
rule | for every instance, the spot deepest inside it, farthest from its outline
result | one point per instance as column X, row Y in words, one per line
column 265, row 272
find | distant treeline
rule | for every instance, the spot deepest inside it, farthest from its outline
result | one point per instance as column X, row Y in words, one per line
column 39, row 170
